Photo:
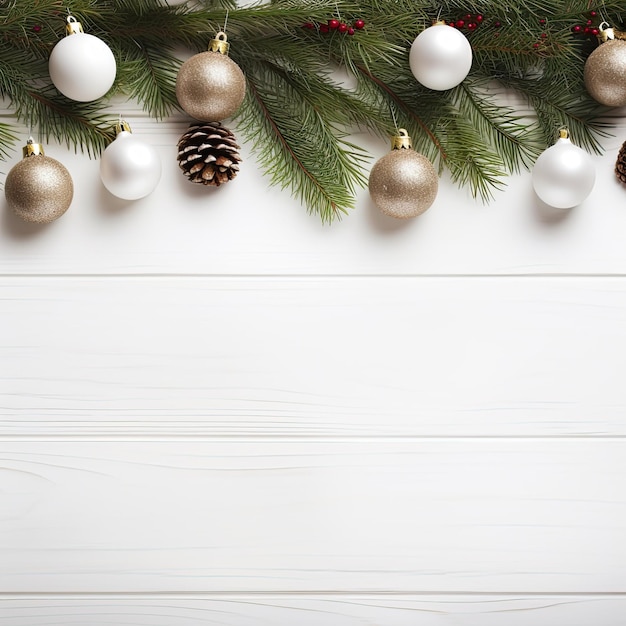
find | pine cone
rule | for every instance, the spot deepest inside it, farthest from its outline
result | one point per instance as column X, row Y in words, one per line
column 208, row 154
column 620, row 166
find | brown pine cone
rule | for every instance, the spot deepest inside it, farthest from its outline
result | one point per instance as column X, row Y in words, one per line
column 620, row 166
column 208, row 154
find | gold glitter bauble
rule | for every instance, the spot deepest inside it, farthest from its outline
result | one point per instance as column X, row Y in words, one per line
column 605, row 73
column 210, row 86
column 403, row 183
column 39, row 189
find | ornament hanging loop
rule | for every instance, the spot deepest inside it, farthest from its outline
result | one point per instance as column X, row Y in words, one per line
column 73, row 26
column 401, row 141
column 219, row 43
column 607, row 33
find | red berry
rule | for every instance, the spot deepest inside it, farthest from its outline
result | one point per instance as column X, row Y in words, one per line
column 587, row 30
column 589, row 22
column 343, row 28
column 577, row 29
column 323, row 28
column 472, row 26
column 468, row 17
column 37, row 28
column 333, row 24
column 497, row 24
column 479, row 18
column 460, row 23
column 593, row 13
column 543, row 35
column 350, row 31
column 535, row 45
column 542, row 21
column 308, row 25
column 359, row 24
column 595, row 31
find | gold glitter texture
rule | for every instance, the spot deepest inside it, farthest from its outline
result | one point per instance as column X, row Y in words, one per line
column 605, row 73
column 403, row 184
column 39, row 189
column 210, row 86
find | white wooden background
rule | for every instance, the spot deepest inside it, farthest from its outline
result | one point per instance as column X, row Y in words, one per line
column 215, row 410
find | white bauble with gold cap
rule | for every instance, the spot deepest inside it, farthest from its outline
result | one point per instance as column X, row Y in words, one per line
column 82, row 67
column 129, row 167
column 564, row 175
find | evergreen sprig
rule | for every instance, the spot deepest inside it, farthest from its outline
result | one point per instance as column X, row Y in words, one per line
column 298, row 114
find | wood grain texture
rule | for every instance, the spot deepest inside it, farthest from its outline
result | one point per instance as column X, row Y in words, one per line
column 313, row 357
column 245, row 228
column 287, row 610
column 212, row 516
column 214, row 410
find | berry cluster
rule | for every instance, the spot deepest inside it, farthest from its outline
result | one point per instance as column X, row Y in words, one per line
column 470, row 21
column 590, row 27
column 335, row 24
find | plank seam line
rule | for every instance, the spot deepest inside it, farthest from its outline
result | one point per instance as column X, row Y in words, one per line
column 304, row 276
column 295, row 439
column 305, row 594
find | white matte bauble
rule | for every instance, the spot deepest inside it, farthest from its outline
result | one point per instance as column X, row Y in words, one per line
column 564, row 174
column 129, row 168
column 440, row 57
column 82, row 67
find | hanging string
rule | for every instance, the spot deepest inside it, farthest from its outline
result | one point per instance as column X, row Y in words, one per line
column 393, row 116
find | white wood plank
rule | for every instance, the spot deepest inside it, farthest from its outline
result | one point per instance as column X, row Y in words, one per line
column 247, row 228
column 260, row 610
column 251, row 516
column 323, row 357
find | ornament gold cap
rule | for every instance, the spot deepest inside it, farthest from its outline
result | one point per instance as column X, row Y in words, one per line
column 219, row 43
column 401, row 141
column 73, row 26
column 607, row 33
column 438, row 22
column 32, row 149
column 122, row 127
column 563, row 133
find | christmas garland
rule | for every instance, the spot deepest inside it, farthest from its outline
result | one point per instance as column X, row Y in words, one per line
column 278, row 82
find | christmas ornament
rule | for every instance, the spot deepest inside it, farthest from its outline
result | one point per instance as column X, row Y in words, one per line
column 440, row 57
column 403, row 183
column 620, row 166
column 129, row 168
column 38, row 189
column 82, row 67
column 605, row 68
column 210, row 86
column 563, row 175
column 208, row 154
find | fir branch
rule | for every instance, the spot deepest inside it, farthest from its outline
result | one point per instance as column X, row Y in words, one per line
column 296, row 111
column 296, row 147
column 515, row 139
column 75, row 124
column 482, row 170
column 557, row 107
column 7, row 140
column 149, row 76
